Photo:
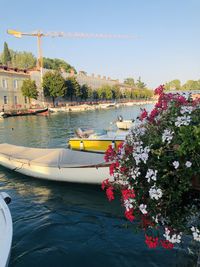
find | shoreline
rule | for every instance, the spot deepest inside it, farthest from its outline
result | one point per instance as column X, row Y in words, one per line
column 86, row 107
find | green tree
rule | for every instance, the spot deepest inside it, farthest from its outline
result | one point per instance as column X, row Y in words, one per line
column 57, row 64
column 54, row 85
column 105, row 92
column 116, row 92
column 173, row 85
column 84, row 92
column 73, row 88
column 29, row 89
column 191, row 85
column 6, row 57
column 23, row 60
column 140, row 84
column 129, row 81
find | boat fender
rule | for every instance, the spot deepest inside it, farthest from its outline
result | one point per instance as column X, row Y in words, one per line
column 81, row 145
column 113, row 144
column 6, row 197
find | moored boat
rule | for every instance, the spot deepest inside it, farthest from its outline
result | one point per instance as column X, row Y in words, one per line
column 6, row 230
column 96, row 142
column 124, row 125
column 57, row 164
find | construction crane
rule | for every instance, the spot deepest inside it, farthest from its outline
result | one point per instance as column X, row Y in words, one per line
column 40, row 34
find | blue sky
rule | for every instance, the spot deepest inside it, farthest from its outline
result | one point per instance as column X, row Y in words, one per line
column 167, row 46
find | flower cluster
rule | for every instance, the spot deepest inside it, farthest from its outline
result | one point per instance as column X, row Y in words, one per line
column 157, row 169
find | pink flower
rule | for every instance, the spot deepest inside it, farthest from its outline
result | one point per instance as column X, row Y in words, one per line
column 143, row 115
column 110, row 154
column 105, row 184
column 159, row 90
column 152, row 242
column 128, row 193
column 129, row 215
column 166, row 244
column 110, row 193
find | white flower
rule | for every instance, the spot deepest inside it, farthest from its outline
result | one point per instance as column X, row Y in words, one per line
column 186, row 109
column 151, row 175
column 167, row 136
column 155, row 193
column 183, row 120
column 175, row 238
column 140, row 153
column 195, row 233
column 142, row 208
column 188, row 164
column 134, row 173
column 176, row 164
column 128, row 204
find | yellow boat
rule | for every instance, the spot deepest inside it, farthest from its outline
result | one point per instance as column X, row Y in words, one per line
column 95, row 142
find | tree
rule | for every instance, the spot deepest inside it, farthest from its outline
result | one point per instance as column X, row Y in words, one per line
column 129, row 81
column 140, row 84
column 29, row 89
column 53, row 85
column 116, row 92
column 173, row 85
column 57, row 64
column 84, row 91
column 23, row 60
column 191, row 85
column 73, row 88
column 6, row 57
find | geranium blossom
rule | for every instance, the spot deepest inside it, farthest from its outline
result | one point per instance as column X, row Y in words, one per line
column 155, row 193
column 156, row 169
column 183, row 120
column 195, row 233
column 173, row 238
column 188, row 164
column 176, row 164
column 167, row 136
column 142, row 208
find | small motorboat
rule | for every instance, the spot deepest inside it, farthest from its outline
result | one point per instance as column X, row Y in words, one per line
column 123, row 124
column 95, row 142
column 6, row 230
column 57, row 164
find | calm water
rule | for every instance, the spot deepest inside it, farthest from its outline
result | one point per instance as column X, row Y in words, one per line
column 72, row 225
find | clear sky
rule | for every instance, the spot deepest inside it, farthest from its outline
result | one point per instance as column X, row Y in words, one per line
column 167, row 46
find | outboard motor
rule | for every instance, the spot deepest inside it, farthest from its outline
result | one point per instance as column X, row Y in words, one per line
column 120, row 118
column 6, row 197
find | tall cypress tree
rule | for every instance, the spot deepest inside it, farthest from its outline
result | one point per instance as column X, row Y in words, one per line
column 6, row 58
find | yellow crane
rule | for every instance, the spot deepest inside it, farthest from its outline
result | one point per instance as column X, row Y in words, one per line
column 39, row 35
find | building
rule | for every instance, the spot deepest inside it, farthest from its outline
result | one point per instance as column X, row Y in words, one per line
column 93, row 81
column 11, row 80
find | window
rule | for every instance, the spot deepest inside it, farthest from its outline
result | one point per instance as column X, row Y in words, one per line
column 5, row 100
column 25, row 100
column 4, row 83
column 15, row 84
column 15, row 100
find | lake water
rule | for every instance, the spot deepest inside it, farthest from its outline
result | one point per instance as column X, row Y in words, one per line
column 71, row 225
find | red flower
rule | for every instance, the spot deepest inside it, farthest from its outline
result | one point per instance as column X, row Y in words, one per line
column 146, row 221
column 166, row 244
column 129, row 215
column 143, row 115
column 105, row 184
column 152, row 242
column 159, row 90
column 128, row 193
column 110, row 154
column 113, row 166
column 110, row 193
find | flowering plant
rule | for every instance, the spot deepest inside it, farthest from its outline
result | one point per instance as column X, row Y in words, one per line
column 157, row 168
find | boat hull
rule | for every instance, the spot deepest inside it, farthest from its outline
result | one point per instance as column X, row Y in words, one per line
column 92, row 144
column 6, row 233
column 124, row 125
column 84, row 174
